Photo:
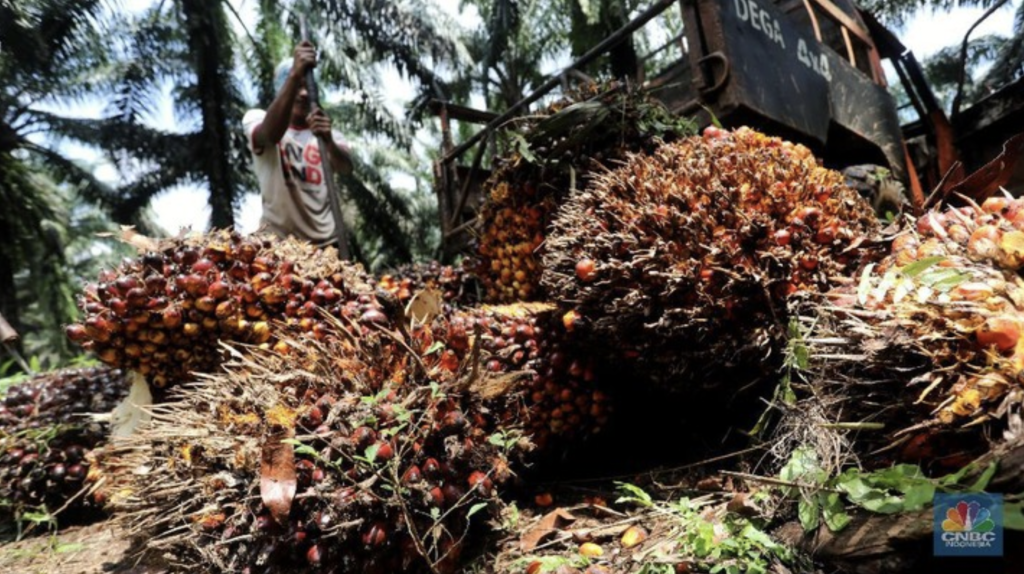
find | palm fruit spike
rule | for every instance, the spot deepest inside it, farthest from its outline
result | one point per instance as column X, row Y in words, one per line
column 46, row 434
column 163, row 314
column 688, row 257
column 933, row 330
column 563, row 145
column 395, row 442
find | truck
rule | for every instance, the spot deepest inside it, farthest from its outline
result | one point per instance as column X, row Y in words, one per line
column 811, row 71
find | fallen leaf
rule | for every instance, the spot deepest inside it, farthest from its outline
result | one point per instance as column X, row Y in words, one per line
column 551, row 522
column 743, row 505
column 424, row 306
column 591, row 550
column 277, row 477
column 138, row 240
column 633, row 536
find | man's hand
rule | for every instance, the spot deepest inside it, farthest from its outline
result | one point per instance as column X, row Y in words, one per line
column 304, row 58
column 320, row 124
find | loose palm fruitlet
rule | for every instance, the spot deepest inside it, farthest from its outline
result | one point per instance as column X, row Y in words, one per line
column 932, row 331
column 368, row 450
column 163, row 314
column 556, row 152
column 46, row 434
column 457, row 286
column 688, row 257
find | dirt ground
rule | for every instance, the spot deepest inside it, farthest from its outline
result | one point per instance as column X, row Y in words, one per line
column 94, row 549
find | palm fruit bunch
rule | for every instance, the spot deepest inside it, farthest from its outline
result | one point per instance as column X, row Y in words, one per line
column 689, row 257
column 47, row 433
column 162, row 314
column 555, row 153
column 561, row 392
column 456, row 286
column 932, row 332
column 366, row 450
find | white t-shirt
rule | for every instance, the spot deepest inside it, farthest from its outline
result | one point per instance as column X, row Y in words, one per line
column 295, row 200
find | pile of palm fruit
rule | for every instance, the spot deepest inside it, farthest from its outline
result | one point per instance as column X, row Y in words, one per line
column 455, row 285
column 390, row 441
column 689, row 256
column 935, row 325
column 163, row 314
column 456, row 397
column 555, row 153
column 317, row 422
column 46, row 435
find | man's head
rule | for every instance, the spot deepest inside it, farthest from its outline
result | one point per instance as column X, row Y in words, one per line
column 301, row 105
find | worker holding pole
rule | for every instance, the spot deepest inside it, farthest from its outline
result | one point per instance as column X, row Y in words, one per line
column 288, row 142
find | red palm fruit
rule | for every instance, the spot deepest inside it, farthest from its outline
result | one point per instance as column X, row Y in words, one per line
column 586, row 270
column 432, row 469
column 76, row 333
column 412, row 475
column 481, row 482
column 376, row 534
column 1000, row 332
column 385, row 451
column 437, row 496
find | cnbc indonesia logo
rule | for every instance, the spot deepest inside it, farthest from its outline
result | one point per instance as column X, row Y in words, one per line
column 968, row 525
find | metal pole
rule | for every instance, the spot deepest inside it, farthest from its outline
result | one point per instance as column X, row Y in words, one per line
column 325, row 157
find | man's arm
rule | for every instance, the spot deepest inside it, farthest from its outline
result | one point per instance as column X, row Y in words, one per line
column 320, row 124
column 275, row 123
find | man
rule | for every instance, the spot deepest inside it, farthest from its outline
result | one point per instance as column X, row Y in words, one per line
column 284, row 141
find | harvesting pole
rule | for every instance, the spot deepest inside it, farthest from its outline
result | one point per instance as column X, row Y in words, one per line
column 332, row 187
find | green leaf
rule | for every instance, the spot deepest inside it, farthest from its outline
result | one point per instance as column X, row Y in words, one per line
column 982, row 483
column 917, row 267
column 523, row 147
column 592, row 12
column 836, row 517
column 64, row 548
column 300, row 448
column 807, row 511
column 803, row 467
column 435, row 390
column 476, row 508
column 371, row 452
column 919, row 496
column 634, row 494
column 437, row 346
column 879, row 501
column 1013, row 516
column 956, row 477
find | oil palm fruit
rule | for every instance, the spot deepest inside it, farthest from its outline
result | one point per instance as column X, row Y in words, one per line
column 164, row 313
column 47, row 434
column 689, row 257
column 556, row 152
column 371, row 450
column 933, row 330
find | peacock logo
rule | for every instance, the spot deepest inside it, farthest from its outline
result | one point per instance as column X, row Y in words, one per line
column 968, row 525
column 968, row 517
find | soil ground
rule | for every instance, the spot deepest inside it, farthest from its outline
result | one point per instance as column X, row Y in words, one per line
column 98, row 548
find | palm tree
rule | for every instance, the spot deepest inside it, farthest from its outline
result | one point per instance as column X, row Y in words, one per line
column 47, row 50
column 195, row 46
column 1005, row 54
